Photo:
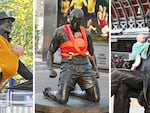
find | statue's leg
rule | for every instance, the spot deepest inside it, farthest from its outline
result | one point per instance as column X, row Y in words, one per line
column 90, row 88
column 65, row 86
column 61, row 96
column 93, row 93
column 147, row 106
column 148, row 98
column 115, row 82
column 121, row 100
column 50, row 94
column 131, row 78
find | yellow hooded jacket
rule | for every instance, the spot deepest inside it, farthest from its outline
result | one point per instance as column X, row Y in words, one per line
column 78, row 4
column 8, row 59
column 65, row 7
column 91, row 6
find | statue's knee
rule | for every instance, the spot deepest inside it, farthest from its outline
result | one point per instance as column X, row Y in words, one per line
column 97, row 99
column 122, row 92
column 96, row 95
column 62, row 101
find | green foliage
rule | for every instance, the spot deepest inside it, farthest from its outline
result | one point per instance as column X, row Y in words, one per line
column 22, row 27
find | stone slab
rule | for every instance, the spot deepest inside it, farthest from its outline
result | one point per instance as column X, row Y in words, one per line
column 74, row 105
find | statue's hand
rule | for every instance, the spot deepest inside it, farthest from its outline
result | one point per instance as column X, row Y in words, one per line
column 97, row 74
column 52, row 74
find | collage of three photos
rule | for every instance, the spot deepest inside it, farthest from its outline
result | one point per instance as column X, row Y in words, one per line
column 74, row 56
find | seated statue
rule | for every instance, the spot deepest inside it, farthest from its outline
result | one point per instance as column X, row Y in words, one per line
column 132, row 83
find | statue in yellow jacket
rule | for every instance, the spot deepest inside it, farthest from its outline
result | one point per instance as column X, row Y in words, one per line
column 9, row 57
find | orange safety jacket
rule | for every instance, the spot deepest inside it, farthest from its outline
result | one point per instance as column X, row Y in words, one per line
column 8, row 59
column 74, row 46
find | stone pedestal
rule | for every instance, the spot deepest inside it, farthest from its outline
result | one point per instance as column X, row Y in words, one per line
column 74, row 105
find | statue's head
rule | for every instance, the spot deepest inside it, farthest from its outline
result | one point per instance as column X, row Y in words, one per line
column 6, row 22
column 76, row 17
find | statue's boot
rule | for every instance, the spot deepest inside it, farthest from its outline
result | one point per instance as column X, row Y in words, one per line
column 61, row 96
column 49, row 94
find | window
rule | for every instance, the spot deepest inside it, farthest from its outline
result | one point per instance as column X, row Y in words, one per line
column 122, row 45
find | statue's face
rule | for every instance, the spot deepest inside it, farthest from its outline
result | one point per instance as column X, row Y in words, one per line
column 76, row 17
column 75, row 23
column 6, row 25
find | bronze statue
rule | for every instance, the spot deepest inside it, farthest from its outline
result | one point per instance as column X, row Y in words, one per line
column 126, row 84
column 76, row 47
column 133, row 83
column 5, row 29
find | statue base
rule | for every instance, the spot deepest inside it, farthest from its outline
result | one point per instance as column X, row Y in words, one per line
column 74, row 105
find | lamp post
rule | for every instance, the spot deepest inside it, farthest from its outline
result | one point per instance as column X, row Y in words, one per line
column 148, row 20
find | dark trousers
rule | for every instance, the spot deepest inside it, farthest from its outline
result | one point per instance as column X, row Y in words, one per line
column 72, row 74
column 124, row 85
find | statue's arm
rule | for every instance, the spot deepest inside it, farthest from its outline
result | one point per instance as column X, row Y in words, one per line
column 92, row 57
column 54, row 45
column 24, row 71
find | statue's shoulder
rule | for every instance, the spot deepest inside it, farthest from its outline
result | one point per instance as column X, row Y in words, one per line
column 59, row 30
column 59, row 33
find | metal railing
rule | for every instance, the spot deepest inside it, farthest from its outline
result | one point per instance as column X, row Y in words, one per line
column 16, row 102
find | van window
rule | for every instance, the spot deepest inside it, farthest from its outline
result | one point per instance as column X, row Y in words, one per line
column 122, row 45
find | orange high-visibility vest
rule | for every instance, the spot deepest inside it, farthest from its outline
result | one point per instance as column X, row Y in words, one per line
column 74, row 46
column 8, row 59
